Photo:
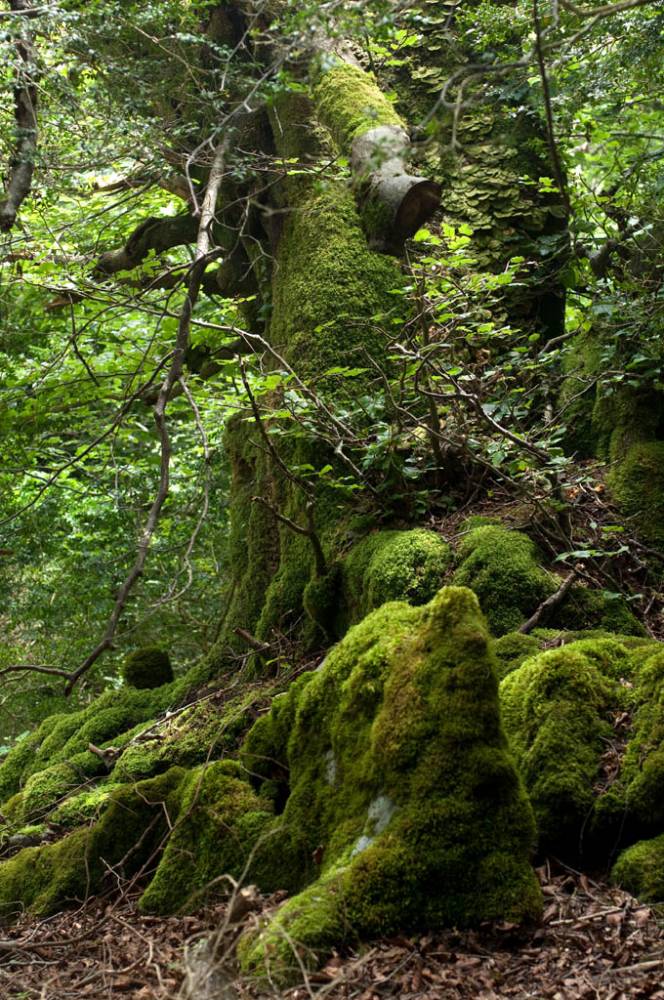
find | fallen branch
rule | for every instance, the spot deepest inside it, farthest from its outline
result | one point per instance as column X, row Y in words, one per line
column 546, row 607
column 252, row 641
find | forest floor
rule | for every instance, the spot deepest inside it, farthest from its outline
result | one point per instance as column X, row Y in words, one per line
column 594, row 941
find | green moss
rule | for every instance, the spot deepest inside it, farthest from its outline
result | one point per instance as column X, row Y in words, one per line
column 332, row 319
column 640, row 870
column 502, row 567
column 637, row 483
column 399, row 785
column 321, row 598
column 350, row 103
column 639, row 796
column 564, row 711
column 149, row 667
column 84, row 807
column 512, row 649
column 46, row 788
column 304, row 930
column 555, row 709
column 109, row 719
column 594, row 609
column 43, row 879
column 221, row 820
column 22, row 755
column 394, row 566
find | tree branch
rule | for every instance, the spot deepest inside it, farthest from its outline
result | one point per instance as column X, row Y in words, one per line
column 203, row 255
column 22, row 163
column 308, row 532
column 546, row 607
column 158, row 234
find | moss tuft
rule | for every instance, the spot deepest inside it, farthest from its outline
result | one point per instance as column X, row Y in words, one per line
column 502, row 567
column 149, row 667
column 640, row 870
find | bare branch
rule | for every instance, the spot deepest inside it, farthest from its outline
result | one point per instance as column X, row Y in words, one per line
column 202, row 257
column 22, row 164
column 158, row 234
column 546, row 607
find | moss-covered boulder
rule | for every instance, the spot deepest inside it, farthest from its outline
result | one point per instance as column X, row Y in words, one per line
column 129, row 830
column 586, row 725
column 400, row 806
column 220, row 822
column 555, row 711
column 149, row 667
column 503, row 568
column 640, row 870
column 394, row 566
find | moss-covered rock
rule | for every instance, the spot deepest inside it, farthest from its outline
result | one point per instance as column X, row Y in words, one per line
column 402, row 809
column 584, row 609
column 393, row 566
column 149, row 667
column 637, row 799
column 45, row 878
column 512, row 649
column 221, row 820
column 555, row 711
column 637, row 483
column 563, row 710
column 503, row 568
column 640, row 870
column 110, row 719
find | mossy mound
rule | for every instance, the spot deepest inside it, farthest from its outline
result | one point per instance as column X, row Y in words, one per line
column 555, row 711
column 112, row 719
column 563, row 710
column 149, row 667
column 45, row 878
column 637, row 483
column 393, row 566
column 401, row 806
column 220, row 822
column 640, row 870
column 512, row 649
column 503, row 568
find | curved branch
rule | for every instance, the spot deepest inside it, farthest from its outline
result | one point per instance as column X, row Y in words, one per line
column 158, row 234
column 22, row 163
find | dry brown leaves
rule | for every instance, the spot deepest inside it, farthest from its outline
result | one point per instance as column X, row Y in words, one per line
column 594, row 942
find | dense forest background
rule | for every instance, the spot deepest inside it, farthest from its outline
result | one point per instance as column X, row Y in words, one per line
column 305, row 309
